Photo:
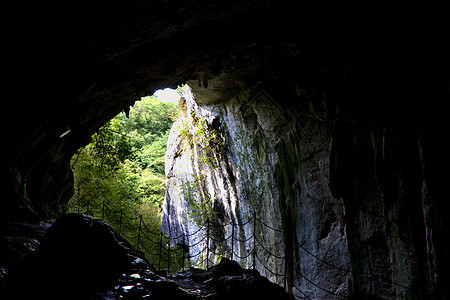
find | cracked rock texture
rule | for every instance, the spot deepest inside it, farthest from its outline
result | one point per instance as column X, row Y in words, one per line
column 271, row 168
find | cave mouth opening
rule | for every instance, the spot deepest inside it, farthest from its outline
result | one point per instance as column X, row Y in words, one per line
column 120, row 175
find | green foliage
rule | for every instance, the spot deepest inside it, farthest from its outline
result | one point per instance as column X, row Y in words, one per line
column 209, row 140
column 110, row 145
column 123, row 168
column 208, row 137
column 201, row 207
column 147, row 129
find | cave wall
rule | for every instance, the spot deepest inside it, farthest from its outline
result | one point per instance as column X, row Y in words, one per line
column 347, row 196
column 274, row 166
column 367, row 84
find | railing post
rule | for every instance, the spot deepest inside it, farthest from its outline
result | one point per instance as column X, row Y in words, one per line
column 232, row 239
column 120, row 220
column 207, row 244
column 285, row 273
column 139, row 233
column 160, row 251
column 168, row 259
column 87, row 209
column 183, row 247
column 254, row 241
column 78, row 201
column 103, row 210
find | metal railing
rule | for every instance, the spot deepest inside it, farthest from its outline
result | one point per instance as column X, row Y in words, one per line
column 173, row 257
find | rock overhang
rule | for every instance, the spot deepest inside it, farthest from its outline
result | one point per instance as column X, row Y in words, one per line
column 372, row 64
column 350, row 66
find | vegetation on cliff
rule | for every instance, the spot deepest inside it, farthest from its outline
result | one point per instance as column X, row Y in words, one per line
column 205, row 142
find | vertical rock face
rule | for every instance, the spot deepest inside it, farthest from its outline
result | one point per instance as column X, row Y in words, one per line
column 340, row 207
column 270, row 167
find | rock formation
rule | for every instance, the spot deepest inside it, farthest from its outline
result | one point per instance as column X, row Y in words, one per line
column 338, row 195
column 330, row 123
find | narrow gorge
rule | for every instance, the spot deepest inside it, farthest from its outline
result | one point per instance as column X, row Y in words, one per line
column 310, row 147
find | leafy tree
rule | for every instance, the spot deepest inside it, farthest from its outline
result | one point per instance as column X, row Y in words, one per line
column 122, row 168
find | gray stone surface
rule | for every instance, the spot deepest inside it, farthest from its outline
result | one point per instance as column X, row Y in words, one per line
column 334, row 201
column 272, row 169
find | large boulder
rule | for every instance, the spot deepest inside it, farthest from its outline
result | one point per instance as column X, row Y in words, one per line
column 230, row 281
column 83, row 258
column 227, row 280
column 77, row 256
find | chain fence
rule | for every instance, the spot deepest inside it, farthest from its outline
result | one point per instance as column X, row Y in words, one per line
column 172, row 257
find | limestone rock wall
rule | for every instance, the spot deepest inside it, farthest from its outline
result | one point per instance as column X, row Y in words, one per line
column 336, row 200
column 271, row 167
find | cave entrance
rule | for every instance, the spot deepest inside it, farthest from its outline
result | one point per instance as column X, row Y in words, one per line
column 119, row 176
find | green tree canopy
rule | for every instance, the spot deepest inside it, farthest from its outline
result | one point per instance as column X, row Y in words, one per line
column 122, row 169
column 123, row 166
column 124, row 163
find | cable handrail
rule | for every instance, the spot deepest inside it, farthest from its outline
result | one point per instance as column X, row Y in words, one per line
column 321, row 288
column 243, row 257
column 163, row 248
column 267, row 269
column 149, row 230
column 190, row 234
column 270, row 227
column 268, row 251
column 298, row 289
column 243, row 241
column 198, row 242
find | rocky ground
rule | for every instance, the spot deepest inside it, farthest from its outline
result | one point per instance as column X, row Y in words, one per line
column 77, row 257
